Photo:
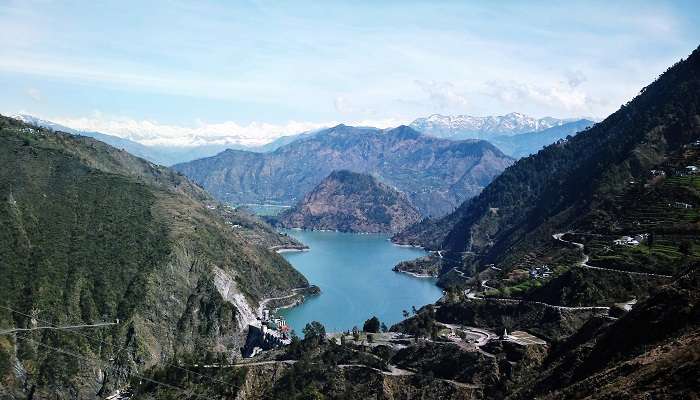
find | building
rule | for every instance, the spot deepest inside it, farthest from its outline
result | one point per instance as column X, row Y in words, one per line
column 626, row 241
column 541, row 272
column 679, row 204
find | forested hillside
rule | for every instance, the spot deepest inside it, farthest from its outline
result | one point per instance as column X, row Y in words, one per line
column 141, row 261
column 604, row 183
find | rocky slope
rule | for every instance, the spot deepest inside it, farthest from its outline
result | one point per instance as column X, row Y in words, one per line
column 351, row 202
column 436, row 174
column 459, row 127
column 92, row 235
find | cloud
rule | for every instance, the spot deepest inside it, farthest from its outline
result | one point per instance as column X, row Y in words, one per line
column 555, row 97
column 34, row 93
column 575, row 78
column 443, row 95
column 341, row 105
column 153, row 133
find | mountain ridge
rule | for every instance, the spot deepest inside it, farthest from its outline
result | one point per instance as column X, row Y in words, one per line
column 434, row 173
column 528, row 143
column 351, row 202
column 471, row 127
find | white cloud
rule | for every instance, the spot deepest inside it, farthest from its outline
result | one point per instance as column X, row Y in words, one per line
column 341, row 105
column 555, row 97
column 34, row 93
column 443, row 95
column 153, row 133
column 575, row 78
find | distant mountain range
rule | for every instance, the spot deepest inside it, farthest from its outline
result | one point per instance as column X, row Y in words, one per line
column 470, row 127
column 351, row 202
column 163, row 155
column 496, row 129
column 525, row 144
column 436, row 174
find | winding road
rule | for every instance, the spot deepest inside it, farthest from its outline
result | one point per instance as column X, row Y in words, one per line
column 264, row 302
column 584, row 262
column 67, row 327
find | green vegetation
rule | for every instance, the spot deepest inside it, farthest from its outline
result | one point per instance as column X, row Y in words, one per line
column 90, row 235
column 624, row 176
column 372, row 325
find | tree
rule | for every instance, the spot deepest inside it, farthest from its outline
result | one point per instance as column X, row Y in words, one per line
column 685, row 247
column 413, row 309
column 371, row 325
column 405, row 314
column 370, row 338
column 384, row 327
column 314, row 331
column 355, row 333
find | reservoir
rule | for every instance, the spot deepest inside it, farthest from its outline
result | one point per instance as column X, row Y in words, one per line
column 356, row 280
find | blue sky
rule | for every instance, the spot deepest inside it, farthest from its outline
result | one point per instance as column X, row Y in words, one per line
column 260, row 69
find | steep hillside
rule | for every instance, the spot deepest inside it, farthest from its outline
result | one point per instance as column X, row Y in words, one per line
column 436, row 174
column 351, row 202
column 460, row 127
column 138, row 259
column 624, row 176
column 525, row 144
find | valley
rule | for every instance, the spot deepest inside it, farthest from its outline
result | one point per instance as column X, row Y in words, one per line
column 340, row 201
column 356, row 280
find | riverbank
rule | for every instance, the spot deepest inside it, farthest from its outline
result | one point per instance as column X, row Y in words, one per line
column 354, row 271
column 288, row 248
column 423, row 267
column 297, row 297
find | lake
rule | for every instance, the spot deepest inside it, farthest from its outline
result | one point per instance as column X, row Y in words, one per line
column 356, row 280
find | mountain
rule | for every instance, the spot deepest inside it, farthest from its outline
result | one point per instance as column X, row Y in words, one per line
column 159, row 154
column 525, row 144
column 468, row 127
column 130, row 146
column 351, row 202
column 144, row 265
column 282, row 141
column 627, row 175
column 436, row 174
column 607, row 218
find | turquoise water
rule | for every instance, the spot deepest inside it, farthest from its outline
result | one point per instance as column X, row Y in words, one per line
column 265, row 209
column 356, row 280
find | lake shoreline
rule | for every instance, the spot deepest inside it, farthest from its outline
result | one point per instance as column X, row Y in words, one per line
column 355, row 272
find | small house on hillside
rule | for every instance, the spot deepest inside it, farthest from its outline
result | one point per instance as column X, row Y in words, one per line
column 630, row 241
column 679, row 204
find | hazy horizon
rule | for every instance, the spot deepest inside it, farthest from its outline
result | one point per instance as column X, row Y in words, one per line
column 252, row 72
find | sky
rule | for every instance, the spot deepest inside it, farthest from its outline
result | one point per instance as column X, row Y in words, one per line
column 165, row 72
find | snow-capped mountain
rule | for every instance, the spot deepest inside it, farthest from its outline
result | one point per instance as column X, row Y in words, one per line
column 162, row 154
column 466, row 126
